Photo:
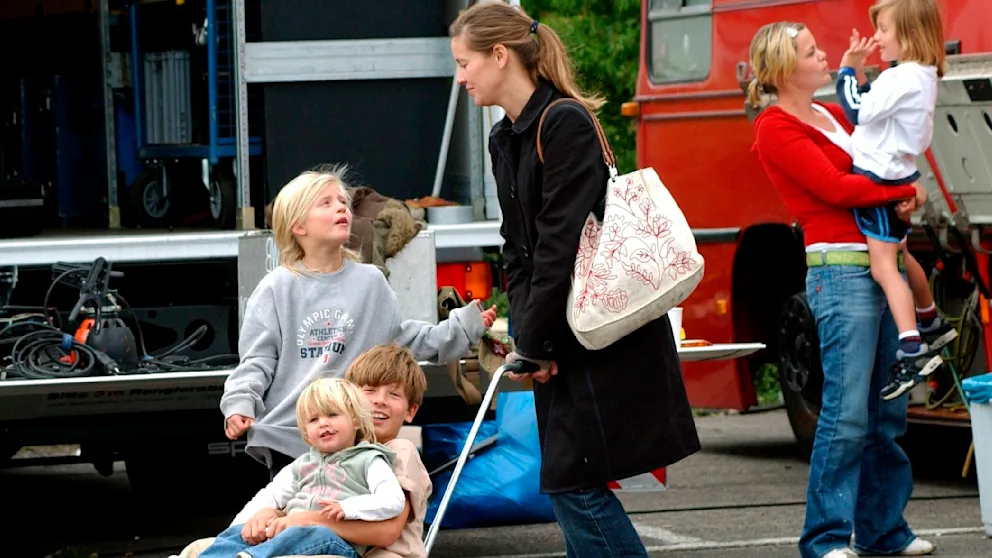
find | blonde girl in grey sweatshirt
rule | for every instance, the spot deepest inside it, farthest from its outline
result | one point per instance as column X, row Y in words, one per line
column 312, row 315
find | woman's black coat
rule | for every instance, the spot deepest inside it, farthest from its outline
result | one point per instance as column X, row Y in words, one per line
column 608, row 414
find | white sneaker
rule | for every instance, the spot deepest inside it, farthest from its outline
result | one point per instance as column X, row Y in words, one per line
column 841, row 553
column 917, row 547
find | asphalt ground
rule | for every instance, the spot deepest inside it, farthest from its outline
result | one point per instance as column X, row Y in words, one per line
column 743, row 495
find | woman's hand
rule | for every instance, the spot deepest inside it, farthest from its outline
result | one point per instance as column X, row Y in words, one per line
column 906, row 208
column 858, row 49
column 921, row 195
column 547, row 369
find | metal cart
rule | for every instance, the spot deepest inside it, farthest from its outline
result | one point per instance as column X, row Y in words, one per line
column 164, row 122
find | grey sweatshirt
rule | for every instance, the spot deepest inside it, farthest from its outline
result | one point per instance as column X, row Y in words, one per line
column 301, row 325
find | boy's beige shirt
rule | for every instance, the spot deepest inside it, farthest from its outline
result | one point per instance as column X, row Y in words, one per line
column 416, row 482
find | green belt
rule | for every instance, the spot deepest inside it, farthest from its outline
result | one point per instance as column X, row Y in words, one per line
column 816, row 259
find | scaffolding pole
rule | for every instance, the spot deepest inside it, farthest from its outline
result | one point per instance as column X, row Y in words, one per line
column 245, row 214
column 109, row 129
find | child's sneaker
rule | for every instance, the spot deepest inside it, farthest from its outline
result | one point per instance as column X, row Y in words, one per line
column 909, row 370
column 938, row 334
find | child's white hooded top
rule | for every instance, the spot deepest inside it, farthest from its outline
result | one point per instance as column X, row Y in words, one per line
column 893, row 117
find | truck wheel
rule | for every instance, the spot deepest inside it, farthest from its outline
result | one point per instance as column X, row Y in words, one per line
column 800, row 370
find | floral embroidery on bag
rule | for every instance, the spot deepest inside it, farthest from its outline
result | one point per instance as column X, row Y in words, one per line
column 638, row 238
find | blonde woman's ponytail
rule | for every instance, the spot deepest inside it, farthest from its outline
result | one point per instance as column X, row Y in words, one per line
column 755, row 98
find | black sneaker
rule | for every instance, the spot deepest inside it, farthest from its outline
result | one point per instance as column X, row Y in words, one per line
column 938, row 335
column 910, row 370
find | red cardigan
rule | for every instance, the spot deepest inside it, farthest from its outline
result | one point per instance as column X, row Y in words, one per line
column 813, row 177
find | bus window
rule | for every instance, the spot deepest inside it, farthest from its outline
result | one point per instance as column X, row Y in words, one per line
column 680, row 39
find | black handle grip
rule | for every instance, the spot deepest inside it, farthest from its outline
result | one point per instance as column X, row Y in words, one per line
column 523, row 367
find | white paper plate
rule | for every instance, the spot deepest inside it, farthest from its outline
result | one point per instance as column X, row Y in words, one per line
column 725, row 351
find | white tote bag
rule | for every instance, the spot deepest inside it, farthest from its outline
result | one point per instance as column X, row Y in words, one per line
column 636, row 264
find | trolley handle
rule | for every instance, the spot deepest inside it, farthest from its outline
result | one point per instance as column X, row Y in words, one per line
column 521, row 367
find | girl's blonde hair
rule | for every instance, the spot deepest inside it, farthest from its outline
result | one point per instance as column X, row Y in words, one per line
column 491, row 23
column 919, row 28
column 293, row 204
column 329, row 396
column 773, row 56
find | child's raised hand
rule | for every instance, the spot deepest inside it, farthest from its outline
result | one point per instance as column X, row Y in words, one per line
column 858, row 49
column 332, row 510
column 237, row 425
column 489, row 316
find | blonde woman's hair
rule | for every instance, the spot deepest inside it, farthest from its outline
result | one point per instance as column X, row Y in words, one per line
column 329, row 396
column 774, row 51
column 383, row 365
column 293, row 204
column 919, row 28
column 494, row 22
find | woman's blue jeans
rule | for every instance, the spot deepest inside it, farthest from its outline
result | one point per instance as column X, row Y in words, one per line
column 860, row 480
column 595, row 525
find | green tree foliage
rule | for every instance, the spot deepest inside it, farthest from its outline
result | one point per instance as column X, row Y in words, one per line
column 603, row 40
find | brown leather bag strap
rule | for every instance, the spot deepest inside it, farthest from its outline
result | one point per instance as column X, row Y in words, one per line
column 608, row 157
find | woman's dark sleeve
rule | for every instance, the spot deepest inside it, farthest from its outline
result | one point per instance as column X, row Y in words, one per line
column 574, row 179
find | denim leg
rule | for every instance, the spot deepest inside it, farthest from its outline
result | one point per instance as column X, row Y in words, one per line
column 848, row 307
column 303, row 541
column 227, row 544
column 886, row 473
column 595, row 525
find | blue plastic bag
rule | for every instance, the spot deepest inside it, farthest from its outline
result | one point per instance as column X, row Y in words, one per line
column 441, row 443
column 978, row 389
column 501, row 485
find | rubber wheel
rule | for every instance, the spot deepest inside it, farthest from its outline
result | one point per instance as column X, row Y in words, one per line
column 150, row 208
column 800, row 370
column 223, row 199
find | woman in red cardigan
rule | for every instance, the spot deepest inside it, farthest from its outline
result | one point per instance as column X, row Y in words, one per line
column 860, row 480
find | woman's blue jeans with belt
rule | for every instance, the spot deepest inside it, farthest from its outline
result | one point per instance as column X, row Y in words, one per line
column 860, row 480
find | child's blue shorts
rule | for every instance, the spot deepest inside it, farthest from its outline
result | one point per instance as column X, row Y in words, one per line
column 883, row 223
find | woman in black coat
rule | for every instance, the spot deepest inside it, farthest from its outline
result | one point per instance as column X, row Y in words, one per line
column 602, row 415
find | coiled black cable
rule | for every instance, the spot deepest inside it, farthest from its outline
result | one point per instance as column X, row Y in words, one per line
column 48, row 353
